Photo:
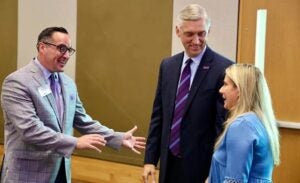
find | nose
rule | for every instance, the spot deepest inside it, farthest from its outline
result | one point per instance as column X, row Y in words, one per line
column 221, row 90
column 66, row 54
column 196, row 39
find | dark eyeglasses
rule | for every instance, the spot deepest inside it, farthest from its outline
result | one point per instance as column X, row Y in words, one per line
column 62, row 48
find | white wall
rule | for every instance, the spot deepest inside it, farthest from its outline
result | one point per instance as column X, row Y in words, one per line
column 34, row 16
column 223, row 33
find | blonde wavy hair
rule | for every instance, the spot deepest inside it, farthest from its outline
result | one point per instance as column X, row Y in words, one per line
column 254, row 96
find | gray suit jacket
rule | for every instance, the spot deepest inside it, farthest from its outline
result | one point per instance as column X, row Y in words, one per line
column 36, row 140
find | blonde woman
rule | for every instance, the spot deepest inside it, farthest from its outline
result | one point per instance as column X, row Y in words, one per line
column 248, row 149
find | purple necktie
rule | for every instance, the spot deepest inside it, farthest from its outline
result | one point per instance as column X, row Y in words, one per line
column 180, row 102
column 55, row 87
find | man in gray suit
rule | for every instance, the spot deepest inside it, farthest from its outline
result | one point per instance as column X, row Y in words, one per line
column 39, row 121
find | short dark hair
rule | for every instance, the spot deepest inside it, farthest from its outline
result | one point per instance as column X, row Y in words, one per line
column 47, row 33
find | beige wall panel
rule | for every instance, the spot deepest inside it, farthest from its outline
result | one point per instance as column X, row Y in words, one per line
column 8, row 43
column 120, row 46
column 36, row 15
column 281, row 70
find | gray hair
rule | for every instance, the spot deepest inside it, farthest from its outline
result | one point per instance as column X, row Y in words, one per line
column 193, row 12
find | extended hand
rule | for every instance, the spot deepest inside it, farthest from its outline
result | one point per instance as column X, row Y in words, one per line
column 133, row 142
column 149, row 170
column 90, row 141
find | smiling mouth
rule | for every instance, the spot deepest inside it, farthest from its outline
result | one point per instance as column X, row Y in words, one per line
column 63, row 63
column 195, row 46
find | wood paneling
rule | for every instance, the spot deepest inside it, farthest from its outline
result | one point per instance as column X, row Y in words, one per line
column 8, row 44
column 288, row 171
column 120, row 45
column 282, row 51
column 88, row 170
column 281, row 70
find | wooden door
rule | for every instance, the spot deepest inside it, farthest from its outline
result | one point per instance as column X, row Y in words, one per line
column 282, row 70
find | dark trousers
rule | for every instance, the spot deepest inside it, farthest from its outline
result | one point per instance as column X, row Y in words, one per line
column 61, row 176
column 174, row 170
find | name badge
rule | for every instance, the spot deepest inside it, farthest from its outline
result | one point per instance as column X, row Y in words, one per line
column 44, row 90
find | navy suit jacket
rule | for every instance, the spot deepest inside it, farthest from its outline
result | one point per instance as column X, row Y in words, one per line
column 202, row 121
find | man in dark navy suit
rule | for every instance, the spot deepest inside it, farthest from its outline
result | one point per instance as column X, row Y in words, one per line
column 199, row 111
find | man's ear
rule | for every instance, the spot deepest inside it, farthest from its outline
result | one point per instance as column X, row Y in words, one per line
column 37, row 46
column 177, row 29
column 41, row 47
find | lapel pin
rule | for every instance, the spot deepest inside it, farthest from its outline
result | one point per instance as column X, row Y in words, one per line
column 205, row 67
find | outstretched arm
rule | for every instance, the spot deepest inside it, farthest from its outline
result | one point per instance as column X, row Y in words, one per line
column 133, row 142
column 90, row 141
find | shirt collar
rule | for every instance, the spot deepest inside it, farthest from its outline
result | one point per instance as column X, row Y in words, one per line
column 45, row 71
column 196, row 59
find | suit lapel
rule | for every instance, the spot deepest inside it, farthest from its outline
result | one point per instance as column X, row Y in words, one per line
column 65, row 93
column 39, row 77
column 175, row 68
column 203, row 69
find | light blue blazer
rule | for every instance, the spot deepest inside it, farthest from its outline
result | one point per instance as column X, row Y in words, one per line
column 36, row 140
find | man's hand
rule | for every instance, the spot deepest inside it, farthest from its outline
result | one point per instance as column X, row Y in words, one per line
column 133, row 142
column 90, row 141
column 149, row 170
